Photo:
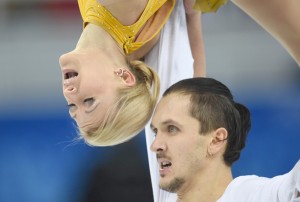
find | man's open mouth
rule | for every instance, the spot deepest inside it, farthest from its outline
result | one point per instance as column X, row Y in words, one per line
column 165, row 164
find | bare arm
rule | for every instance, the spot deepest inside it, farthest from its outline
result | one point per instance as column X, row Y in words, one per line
column 194, row 28
column 281, row 18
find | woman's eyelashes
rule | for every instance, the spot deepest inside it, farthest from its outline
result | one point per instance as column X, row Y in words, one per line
column 71, row 106
column 87, row 102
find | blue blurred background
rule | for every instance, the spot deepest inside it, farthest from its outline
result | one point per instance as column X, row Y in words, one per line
column 41, row 162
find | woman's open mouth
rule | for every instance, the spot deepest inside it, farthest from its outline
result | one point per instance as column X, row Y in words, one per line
column 70, row 75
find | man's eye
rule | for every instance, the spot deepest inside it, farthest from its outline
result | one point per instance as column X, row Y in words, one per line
column 154, row 131
column 172, row 129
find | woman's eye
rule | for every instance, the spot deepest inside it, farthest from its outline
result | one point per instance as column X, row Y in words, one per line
column 172, row 129
column 89, row 101
column 71, row 106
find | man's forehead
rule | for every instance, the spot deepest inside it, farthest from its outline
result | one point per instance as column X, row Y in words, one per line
column 172, row 105
column 174, row 99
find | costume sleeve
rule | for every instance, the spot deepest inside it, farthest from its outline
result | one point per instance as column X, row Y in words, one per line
column 290, row 187
column 172, row 59
column 282, row 188
column 206, row 6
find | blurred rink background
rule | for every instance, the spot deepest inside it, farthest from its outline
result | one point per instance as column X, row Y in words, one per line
column 39, row 160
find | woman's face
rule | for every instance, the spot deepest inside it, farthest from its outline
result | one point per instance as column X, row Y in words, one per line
column 89, row 85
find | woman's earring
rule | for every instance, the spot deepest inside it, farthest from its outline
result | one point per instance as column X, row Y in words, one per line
column 120, row 72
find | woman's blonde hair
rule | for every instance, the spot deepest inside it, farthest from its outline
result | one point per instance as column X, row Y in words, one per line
column 132, row 110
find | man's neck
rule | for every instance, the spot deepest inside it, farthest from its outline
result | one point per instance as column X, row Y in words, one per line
column 208, row 186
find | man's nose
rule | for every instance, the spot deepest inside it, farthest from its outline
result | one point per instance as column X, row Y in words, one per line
column 158, row 145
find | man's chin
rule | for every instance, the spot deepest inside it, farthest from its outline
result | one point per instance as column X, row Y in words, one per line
column 171, row 186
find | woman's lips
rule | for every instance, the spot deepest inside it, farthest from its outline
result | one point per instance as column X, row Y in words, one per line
column 69, row 76
column 69, row 73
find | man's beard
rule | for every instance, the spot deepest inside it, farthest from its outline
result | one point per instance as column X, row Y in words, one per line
column 173, row 186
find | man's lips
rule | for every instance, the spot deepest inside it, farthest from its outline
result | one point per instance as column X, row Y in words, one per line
column 164, row 164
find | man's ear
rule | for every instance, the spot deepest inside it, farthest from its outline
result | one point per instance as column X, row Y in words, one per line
column 218, row 141
column 127, row 76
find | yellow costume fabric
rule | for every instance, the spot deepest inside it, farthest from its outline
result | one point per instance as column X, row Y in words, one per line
column 131, row 37
column 206, row 6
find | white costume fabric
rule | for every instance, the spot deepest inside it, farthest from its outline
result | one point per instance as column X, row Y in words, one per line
column 283, row 188
column 172, row 59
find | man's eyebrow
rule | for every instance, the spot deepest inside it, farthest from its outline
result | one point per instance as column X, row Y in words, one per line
column 166, row 122
column 171, row 121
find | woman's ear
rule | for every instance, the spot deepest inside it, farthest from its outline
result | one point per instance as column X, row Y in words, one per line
column 127, row 76
column 218, row 141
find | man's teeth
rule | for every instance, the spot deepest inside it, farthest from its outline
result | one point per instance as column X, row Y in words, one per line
column 165, row 164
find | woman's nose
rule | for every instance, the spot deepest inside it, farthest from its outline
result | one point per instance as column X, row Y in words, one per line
column 70, row 89
column 70, row 85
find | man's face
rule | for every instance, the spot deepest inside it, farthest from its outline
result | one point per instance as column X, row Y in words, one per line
column 180, row 149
